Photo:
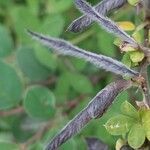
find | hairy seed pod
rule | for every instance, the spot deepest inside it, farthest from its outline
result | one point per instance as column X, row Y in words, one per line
column 96, row 108
column 101, row 61
column 104, row 22
column 102, row 8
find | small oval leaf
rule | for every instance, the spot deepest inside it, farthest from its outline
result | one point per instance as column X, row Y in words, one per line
column 129, row 110
column 126, row 60
column 136, row 56
column 146, row 122
column 30, row 65
column 39, row 102
column 136, row 136
column 6, row 43
column 126, row 25
column 10, row 87
column 119, row 125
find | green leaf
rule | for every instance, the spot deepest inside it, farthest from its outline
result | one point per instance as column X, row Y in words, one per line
column 62, row 87
column 78, row 64
column 136, row 56
column 129, row 110
column 6, row 136
column 33, row 6
column 105, row 41
column 52, row 25
column 137, row 36
column 133, row 2
column 10, row 87
column 119, row 124
column 39, row 102
column 30, row 65
column 126, row 60
column 23, row 18
column 54, row 6
column 80, row 83
column 136, row 136
column 146, row 122
column 6, row 43
column 117, row 42
column 126, row 25
column 46, row 58
column 71, row 144
column 8, row 146
column 5, row 3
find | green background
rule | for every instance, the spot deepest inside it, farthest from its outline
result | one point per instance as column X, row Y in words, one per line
column 41, row 91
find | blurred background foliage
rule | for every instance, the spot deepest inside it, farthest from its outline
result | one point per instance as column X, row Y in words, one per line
column 41, row 91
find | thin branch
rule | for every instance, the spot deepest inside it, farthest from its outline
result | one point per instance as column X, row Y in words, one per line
column 11, row 112
column 95, row 109
column 102, row 8
column 146, row 88
column 146, row 62
column 101, row 61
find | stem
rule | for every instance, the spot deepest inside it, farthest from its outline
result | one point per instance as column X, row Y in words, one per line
column 12, row 112
column 146, row 88
column 146, row 61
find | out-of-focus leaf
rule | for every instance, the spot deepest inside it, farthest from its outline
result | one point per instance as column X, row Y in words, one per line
column 36, row 146
column 133, row 2
column 117, row 42
column 8, row 146
column 6, row 43
column 6, row 136
column 62, row 87
column 126, row 25
column 69, row 145
column 145, row 114
column 23, row 18
column 52, row 25
column 33, row 6
column 78, row 64
column 119, row 125
column 20, row 133
column 129, row 110
column 30, row 65
column 54, row 6
column 6, row 3
column 126, row 60
column 105, row 41
column 46, row 58
column 136, row 136
column 137, row 36
column 10, row 87
column 80, row 83
column 39, row 102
